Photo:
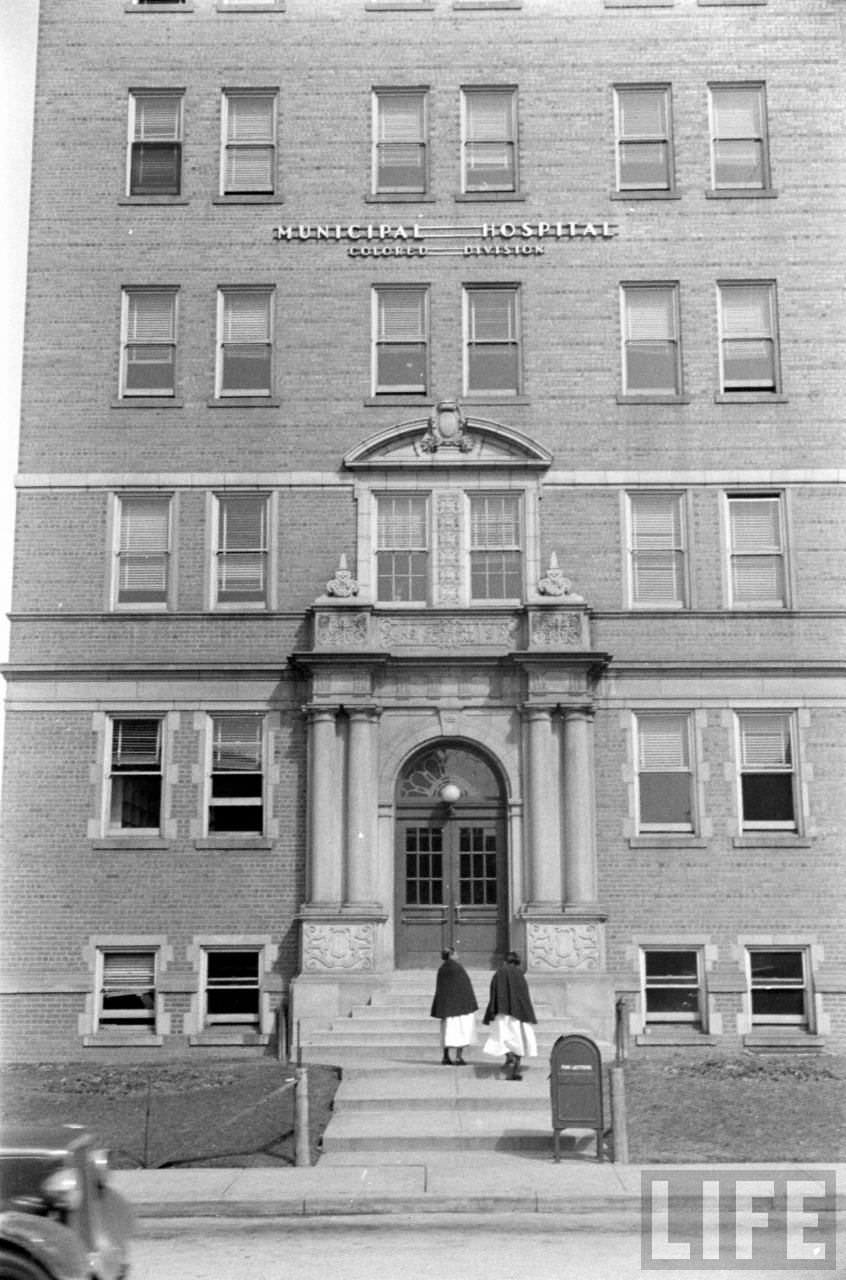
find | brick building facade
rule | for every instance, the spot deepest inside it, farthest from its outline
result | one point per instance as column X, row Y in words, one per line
column 427, row 515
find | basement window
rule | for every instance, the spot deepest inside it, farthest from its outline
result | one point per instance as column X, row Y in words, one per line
column 232, row 988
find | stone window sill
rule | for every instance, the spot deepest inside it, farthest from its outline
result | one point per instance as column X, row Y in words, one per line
column 107, row 1040
column 639, row 194
column 275, row 6
column 490, row 197
column 758, row 193
column 221, row 1039
column 413, row 6
column 668, row 841
column 166, row 200
column 147, row 402
column 243, row 402
column 243, row 197
column 680, row 1039
column 398, row 197
column 771, row 840
column 774, row 1040
column 749, row 397
column 233, row 842
column 623, row 399
column 131, row 843
column 423, row 401
column 159, row 8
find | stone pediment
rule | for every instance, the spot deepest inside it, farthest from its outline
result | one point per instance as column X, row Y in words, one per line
column 448, row 438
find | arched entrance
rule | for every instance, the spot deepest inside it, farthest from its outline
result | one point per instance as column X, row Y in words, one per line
column 451, row 858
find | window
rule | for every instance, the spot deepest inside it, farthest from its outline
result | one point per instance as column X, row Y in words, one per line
column 148, row 345
column 657, row 550
column 644, row 138
column 778, row 985
column 491, row 341
column 672, row 985
column 651, row 348
column 489, row 135
column 248, row 163
column 155, row 143
column 127, row 998
column 665, row 780
column 748, row 338
column 739, row 154
column 496, row 560
column 232, row 988
column 236, row 802
column 767, row 777
column 402, row 555
column 756, row 530
column 245, row 342
column 143, row 551
column 135, row 776
column 242, row 552
column 400, row 343
column 399, row 142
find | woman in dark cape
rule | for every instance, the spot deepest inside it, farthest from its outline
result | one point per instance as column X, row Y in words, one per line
column 511, row 1011
column 455, row 1004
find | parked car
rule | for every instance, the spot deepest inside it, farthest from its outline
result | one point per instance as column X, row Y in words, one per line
column 59, row 1218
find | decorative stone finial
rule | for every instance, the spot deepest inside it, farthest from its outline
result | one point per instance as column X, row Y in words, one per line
column 555, row 584
column 343, row 584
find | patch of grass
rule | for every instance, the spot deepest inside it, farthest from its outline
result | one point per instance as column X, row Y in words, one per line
column 155, row 1115
column 758, row 1107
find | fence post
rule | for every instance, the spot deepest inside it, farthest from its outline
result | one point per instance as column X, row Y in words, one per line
column 302, row 1143
column 619, row 1118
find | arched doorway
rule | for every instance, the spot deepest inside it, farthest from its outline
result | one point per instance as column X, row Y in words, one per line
column 451, row 858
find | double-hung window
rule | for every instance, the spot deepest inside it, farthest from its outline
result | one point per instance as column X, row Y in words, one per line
column 402, row 547
column 739, row 152
column 644, row 138
column 155, row 143
column 658, row 576
column 127, row 991
column 651, row 347
column 236, row 790
column 748, row 337
column 245, row 341
column 232, row 987
column 489, row 140
column 665, row 777
column 248, row 161
column 400, row 340
column 757, row 550
column 148, row 343
column 399, row 142
column 241, row 559
column 672, row 985
column 496, row 556
column 134, row 799
column 767, row 771
column 143, row 550
column 778, row 985
column 492, row 341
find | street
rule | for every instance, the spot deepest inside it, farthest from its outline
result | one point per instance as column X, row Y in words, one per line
column 404, row 1247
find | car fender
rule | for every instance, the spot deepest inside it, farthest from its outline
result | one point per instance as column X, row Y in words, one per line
column 53, row 1246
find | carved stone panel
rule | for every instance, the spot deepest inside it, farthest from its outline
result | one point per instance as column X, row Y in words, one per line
column 558, row 629
column 564, row 948
column 341, row 629
column 338, row 948
column 448, row 533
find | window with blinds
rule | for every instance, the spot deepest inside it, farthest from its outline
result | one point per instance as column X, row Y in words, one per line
column 489, row 138
column 644, row 138
column 127, row 991
column 400, row 340
column 233, row 984
column 739, row 149
column 748, row 351
column 491, row 341
column 148, row 346
column 399, row 142
column 155, row 143
column 657, row 553
column 245, row 342
column 767, row 771
column 248, row 164
column 143, row 552
column 496, row 558
column 665, row 777
column 672, row 985
column 134, row 798
column 402, row 547
column 778, row 985
column 757, row 551
column 236, row 793
column 651, row 348
column 242, row 549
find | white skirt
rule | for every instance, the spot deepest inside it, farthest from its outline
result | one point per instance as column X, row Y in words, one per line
column 458, row 1031
column 509, row 1035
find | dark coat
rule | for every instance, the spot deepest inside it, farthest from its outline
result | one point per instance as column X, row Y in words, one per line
column 454, row 994
column 510, row 995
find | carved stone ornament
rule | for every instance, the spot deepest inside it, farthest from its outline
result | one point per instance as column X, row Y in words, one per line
column 555, row 584
column 341, row 630
column 556, row 630
column 564, row 948
column 447, row 430
column 338, row 948
column 343, row 584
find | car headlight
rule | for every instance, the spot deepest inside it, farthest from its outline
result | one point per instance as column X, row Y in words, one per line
column 62, row 1190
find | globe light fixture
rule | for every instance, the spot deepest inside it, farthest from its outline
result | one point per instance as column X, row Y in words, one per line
column 450, row 793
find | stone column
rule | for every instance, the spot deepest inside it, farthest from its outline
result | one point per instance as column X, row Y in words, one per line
column 580, row 879
column 361, row 852
column 543, row 846
column 324, row 800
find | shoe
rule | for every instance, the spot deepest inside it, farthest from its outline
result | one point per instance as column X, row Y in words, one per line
column 460, row 1062
column 517, row 1076
column 446, row 1061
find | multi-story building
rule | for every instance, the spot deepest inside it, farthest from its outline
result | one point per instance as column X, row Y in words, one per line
column 429, row 517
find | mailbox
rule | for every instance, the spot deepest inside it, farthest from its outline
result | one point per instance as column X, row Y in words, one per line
column 575, row 1084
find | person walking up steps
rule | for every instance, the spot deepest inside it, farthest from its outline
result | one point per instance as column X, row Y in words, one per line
column 455, row 1004
column 511, row 1011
